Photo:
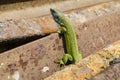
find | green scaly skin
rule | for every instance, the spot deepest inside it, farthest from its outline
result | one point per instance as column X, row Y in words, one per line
column 68, row 32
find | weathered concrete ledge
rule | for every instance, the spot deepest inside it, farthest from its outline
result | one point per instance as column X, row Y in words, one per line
column 20, row 28
column 89, row 66
column 37, row 60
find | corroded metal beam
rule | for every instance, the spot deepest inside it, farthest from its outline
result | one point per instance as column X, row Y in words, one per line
column 38, row 59
column 22, row 31
column 38, row 8
column 91, row 66
column 2, row 2
column 19, row 28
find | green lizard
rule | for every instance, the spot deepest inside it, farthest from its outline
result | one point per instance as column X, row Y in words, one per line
column 68, row 32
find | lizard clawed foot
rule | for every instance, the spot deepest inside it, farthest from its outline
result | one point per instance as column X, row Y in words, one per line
column 65, row 59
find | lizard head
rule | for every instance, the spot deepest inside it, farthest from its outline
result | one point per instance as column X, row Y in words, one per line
column 57, row 16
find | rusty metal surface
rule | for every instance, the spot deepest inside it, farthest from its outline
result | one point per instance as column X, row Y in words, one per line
column 96, row 34
column 92, row 65
column 28, row 61
column 111, row 73
column 19, row 28
column 38, row 8
column 37, row 60
column 11, row 1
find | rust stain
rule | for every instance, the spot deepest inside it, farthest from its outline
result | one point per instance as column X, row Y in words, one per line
column 47, row 26
column 12, row 68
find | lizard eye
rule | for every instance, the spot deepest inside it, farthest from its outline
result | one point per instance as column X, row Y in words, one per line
column 58, row 20
column 56, row 16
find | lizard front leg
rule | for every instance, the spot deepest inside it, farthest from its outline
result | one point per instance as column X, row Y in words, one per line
column 62, row 30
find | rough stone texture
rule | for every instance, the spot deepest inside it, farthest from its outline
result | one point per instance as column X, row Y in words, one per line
column 91, row 66
column 36, row 8
column 38, row 59
column 16, row 32
column 96, row 34
column 19, row 1
column 111, row 73
column 28, row 61
column 19, row 28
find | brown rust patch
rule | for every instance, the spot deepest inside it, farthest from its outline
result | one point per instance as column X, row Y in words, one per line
column 39, row 52
column 23, row 64
column 46, row 29
column 12, row 68
column 57, row 41
column 60, row 47
column 36, row 62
